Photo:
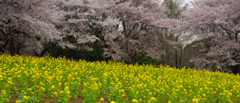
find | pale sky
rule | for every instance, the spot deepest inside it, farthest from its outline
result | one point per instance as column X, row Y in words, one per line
column 187, row 1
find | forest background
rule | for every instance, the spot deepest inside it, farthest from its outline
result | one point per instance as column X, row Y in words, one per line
column 200, row 34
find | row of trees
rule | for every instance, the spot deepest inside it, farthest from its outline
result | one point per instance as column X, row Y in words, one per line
column 216, row 25
column 124, row 27
column 130, row 30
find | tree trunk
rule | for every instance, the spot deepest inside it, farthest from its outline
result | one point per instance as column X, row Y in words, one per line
column 11, row 46
column 45, row 50
column 18, row 48
column 80, row 55
column 180, row 59
column 53, row 51
column 4, row 46
column 107, row 59
column 132, row 59
column 235, row 69
column 176, row 59
column 66, row 53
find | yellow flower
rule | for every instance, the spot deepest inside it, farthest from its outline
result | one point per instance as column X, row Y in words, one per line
column 59, row 84
column 3, row 91
column 112, row 102
column 68, row 92
column 52, row 86
column 204, row 95
column 153, row 99
column 55, row 93
column 18, row 101
column 1, row 77
column 150, row 93
column 66, row 88
column 42, row 88
column 134, row 101
column 25, row 97
column 101, row 100
column 41, row 83
column 10, row 81
column 169, row 101
column 194, row 100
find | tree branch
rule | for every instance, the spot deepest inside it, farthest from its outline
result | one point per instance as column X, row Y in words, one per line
column 132, row 28
column 228, row 31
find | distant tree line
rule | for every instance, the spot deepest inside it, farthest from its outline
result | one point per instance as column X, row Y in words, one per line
column 203, row 35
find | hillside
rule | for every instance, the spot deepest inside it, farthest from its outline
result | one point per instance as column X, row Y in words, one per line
column 25, row 79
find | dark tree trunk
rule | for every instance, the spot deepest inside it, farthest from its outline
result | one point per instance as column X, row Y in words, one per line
column 4, row 46
column 107, row 59
column 45, row 50
column 18, row 48
column 176, row 59
column 11, row 46
column 180, row 59
column 235, row 69
column 1, row 50
column 134, row 58
column 80, row 55
column 53, row 51
column 66, row 52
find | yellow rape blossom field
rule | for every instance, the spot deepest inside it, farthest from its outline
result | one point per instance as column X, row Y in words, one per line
column 26, row 79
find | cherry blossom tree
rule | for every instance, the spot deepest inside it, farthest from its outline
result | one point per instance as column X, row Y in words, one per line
column 174, row 53
column 27, row 22
column 81, row 19
column 141, row 22
column 39, row 25
column 217, row 23
column 124, row 27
